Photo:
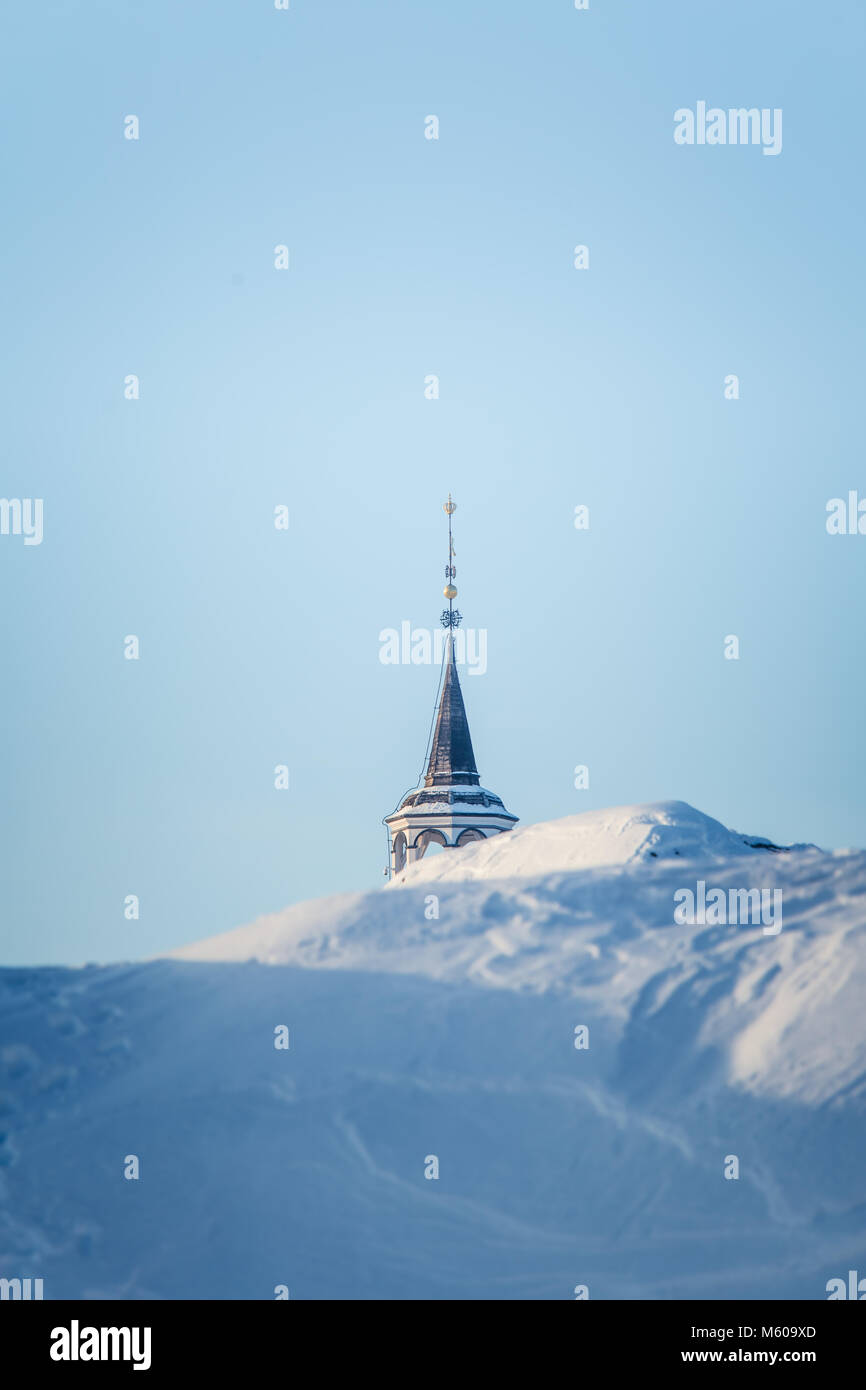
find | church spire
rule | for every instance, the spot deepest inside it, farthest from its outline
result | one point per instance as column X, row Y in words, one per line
column 452, row 761
column 451, row 809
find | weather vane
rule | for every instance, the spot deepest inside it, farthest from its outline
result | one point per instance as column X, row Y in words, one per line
column 451, row 617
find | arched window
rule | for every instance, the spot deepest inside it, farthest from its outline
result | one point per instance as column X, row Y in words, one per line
column 467, row 836
column 399, row 852
column 427, row 838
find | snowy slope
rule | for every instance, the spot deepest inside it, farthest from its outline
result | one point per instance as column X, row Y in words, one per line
column 453, row 1035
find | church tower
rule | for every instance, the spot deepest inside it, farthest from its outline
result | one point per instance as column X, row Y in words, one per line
column 451, row 808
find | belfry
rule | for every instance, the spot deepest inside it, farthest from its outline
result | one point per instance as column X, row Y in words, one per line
column 451, row 808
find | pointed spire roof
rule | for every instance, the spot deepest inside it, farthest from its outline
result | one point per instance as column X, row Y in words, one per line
column 452, row 761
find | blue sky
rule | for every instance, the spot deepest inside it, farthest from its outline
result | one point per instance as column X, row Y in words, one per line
column 411, row 257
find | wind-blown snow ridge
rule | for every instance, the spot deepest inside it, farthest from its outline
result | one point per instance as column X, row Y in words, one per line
column 607, row 933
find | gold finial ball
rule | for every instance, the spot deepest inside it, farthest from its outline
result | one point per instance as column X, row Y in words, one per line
column 449, row 506
column 450, row 591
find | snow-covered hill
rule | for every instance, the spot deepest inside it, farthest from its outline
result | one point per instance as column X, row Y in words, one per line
column 437, row 1018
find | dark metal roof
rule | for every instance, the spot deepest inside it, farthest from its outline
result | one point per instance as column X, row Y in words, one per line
column 452, row 761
